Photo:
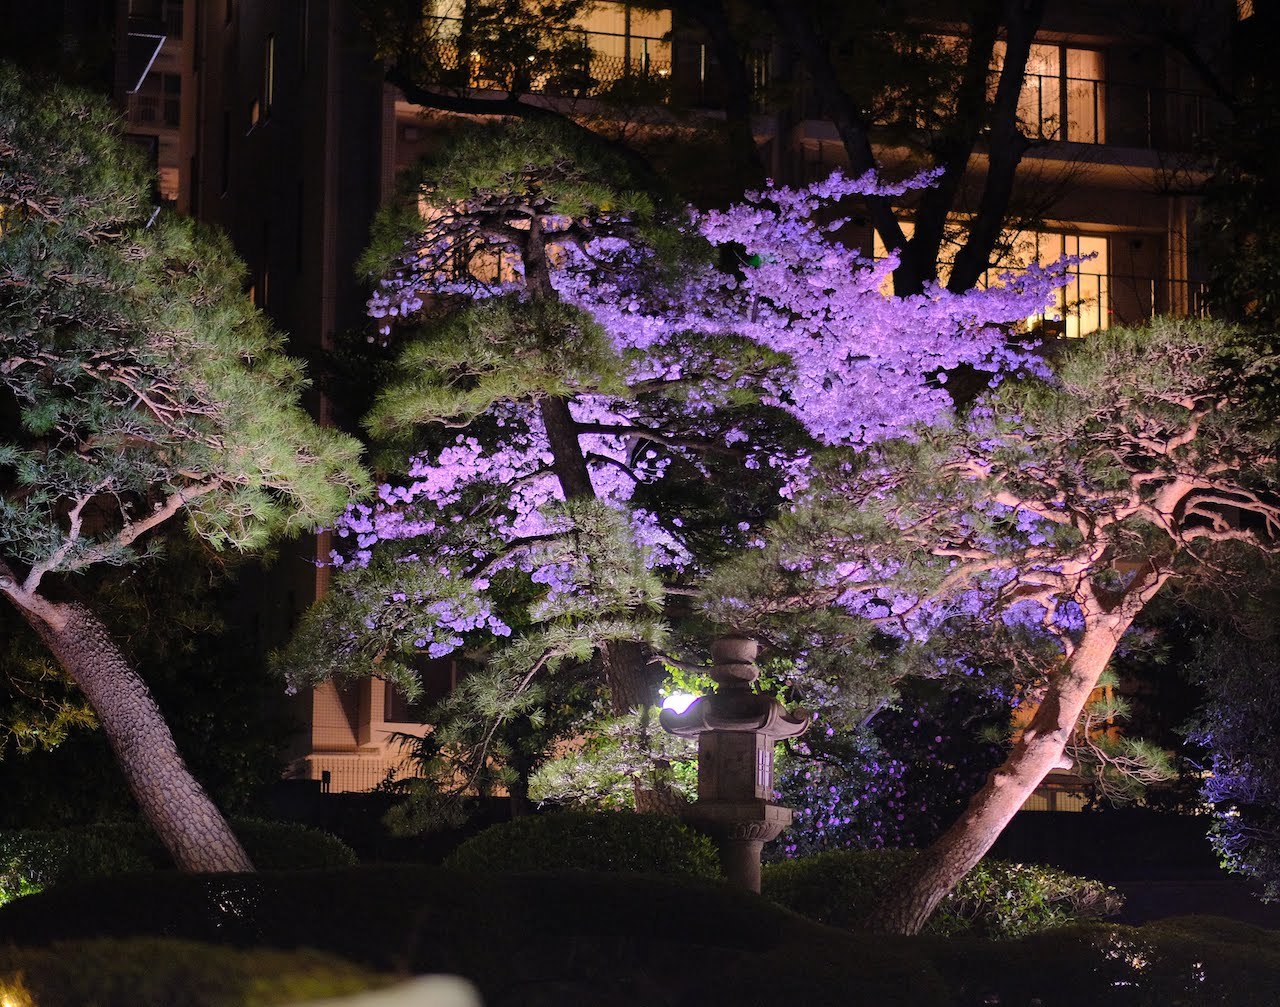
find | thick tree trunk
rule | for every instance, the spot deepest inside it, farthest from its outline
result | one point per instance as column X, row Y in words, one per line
column 746, row 168
column 187, row 822
column 1005, row 147
column 916, row 893
column 627, row 671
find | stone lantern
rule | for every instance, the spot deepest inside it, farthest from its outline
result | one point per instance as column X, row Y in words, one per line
column 736, row 730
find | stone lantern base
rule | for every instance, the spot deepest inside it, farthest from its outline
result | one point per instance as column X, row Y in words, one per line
column 740, row 828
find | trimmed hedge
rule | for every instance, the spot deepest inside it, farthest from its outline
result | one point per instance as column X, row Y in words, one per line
column 33, row 860
column 525, row 940
column 1189, row 961
column 996, row 900
column 589, row 841
column 146, row 972
column 538, row 940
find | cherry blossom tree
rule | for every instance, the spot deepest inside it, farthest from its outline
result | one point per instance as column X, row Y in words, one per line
column 1054, row 513
column 609, row 411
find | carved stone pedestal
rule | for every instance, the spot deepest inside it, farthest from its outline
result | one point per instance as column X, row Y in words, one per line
column 736, row 731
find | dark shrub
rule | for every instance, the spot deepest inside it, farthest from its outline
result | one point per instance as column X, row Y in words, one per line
column 526, row 940
column 33, row 860
column 288, row 846
column 997, row 900
column 147, row 972
column 589, row 841
column 1182, row 962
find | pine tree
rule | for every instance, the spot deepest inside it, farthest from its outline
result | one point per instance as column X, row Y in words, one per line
column 137, row 386
column 1052, row 516
column 602, row 412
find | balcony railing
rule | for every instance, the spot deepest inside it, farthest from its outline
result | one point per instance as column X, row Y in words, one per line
column 1077, row 110
column 1093, row 301
column 680, row 68
column 153, row 111
column 1117, row 113
column 577, row 64
column 589, row 64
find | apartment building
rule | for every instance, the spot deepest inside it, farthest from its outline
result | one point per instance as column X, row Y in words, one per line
column 274, row 121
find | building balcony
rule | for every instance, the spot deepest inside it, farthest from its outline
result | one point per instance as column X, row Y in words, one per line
column 581, row 63
column 154, row 111
column 1094, row 301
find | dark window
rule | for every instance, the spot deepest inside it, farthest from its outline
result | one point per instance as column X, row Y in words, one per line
column 225, row 180
column 172, row 99
column 438, row 679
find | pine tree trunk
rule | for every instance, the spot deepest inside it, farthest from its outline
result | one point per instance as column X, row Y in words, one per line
column 174, row 804
column 917, row 891
column 627, row 671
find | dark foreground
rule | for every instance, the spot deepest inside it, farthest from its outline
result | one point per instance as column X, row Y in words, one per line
column 581, row 939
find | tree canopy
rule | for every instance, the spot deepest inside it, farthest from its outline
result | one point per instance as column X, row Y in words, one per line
column 601, row 428
column 139, row 380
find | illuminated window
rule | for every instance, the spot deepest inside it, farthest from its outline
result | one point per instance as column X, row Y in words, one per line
column 268, row 75
column 1084, row 304
column 1063, row 94
column 638, row 41
column 1081, row 307
column 607, row 42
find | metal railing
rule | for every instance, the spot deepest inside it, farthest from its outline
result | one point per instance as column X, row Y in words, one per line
column 581, row 63
column 1093, row 301
column 1122, row 114
column 589, row 64
column 154, row 111
column 1077, row 110
column 575, row 63
column 157, row 17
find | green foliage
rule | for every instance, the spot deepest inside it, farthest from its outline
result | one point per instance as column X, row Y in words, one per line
column 1120, row 767
column 138, row 379
column 996, row 900
column 501, row 349
column 1193, row 960
column 567, row 937
column 614, row 755
column 589, row 841
column 31, row 861
column 486, row 181
column 149, row 972
column 515, row 701
column 505, row 44
column 1239, row 216
column 1127, row 414
column 288, row 846
column 1237, row 729
column 39, row 706
column 573, row 174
